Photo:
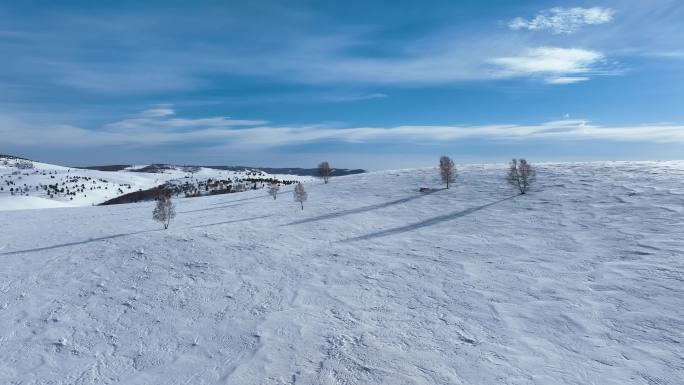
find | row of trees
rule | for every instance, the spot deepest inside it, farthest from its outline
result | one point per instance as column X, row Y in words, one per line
column 165, row 210
column 521, row 174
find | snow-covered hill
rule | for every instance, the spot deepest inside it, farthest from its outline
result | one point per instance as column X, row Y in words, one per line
column 579, row 282
column 27, row 185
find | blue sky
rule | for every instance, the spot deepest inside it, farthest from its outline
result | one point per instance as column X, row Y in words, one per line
column 375, row 85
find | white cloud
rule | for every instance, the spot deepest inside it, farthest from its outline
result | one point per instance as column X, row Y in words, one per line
column 296, row 55
column 552, row 63
column 148, row 122
column 355, row 98
column 672, row 54
column 564, row 20
column 566, row 79
column 123, row 78
column 245, row 134
column 157, row 112
column 446, row 63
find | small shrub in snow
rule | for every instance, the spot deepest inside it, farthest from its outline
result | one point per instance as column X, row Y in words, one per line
column 273, row 190
column 521, row 175
column 164, row 211
column 300, row 194
column 324, row 171
column 447, row 170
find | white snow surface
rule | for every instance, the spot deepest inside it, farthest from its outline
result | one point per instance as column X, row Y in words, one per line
column 581, row 281
column 8, row 202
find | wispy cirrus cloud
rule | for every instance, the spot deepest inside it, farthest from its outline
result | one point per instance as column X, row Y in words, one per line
column 447, row 63
column 666, row 54
column 157, row 112
column 129, row 57
column 555, row 65
column 566, row 79
column 155, row 131
column 159, row 120
column 357, row 97
column 561, row 20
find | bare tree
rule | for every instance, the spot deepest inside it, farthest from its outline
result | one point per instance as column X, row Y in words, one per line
column 164, row 211
column 273, row 190
column 447, row 170
column 299, row 194
column 521, row 175
column 324, row 171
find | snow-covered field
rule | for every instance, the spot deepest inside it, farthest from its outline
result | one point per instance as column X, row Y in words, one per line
column 28, row 188
column 579, row 282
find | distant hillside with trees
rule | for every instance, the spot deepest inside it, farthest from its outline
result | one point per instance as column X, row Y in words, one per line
column 292, row 170
column 154, row 168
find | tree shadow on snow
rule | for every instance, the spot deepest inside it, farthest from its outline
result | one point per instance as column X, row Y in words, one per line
column 360, row 209
column 425, row 223
column 124, row 235
column 210, row 208
column 232, row 204
column 239, row 200
column 227, row 222
column 78, row 242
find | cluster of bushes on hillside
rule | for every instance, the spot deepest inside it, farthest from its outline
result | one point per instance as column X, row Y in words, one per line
column 63, row 186
column 521, row 174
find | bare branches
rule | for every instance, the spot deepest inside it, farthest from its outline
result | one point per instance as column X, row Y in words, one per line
column 273, row 189
column 164, row 211
column 521, row 175
column 300, row 194
column 447, row 170
column 324, row 171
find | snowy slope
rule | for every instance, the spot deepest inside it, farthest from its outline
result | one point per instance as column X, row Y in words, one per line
column 8, row 202
column 92, row 187
column 579, row 282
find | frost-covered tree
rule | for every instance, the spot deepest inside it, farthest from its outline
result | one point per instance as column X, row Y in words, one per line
column 521, row 175
column 300, row 194
column 164, row 211
column 324, row 171
column 273, row 190
column 447, row 170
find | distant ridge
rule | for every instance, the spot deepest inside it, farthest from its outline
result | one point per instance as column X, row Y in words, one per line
column 291, row 170
column 12, row 157
column 270, row 170
column 112, row 167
